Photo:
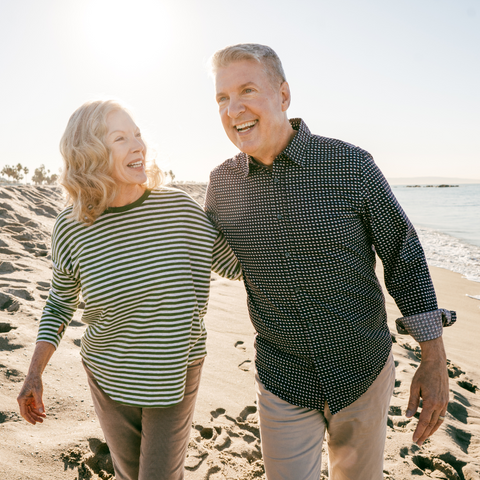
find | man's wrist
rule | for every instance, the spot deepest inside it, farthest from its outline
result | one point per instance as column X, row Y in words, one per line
column 433, row 350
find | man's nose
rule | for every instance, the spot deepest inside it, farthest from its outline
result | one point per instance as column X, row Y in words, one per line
column 235, row 108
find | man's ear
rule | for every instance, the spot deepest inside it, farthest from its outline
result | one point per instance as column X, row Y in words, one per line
column 286, row 97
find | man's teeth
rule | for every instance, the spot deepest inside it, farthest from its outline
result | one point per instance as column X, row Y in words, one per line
column 135, row 165
column 245, row 126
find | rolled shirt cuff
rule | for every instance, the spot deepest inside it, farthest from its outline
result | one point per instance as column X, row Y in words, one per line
column 426, row 326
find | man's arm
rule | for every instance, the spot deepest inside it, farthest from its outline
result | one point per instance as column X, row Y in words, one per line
column 408, row 281
column 430, row 383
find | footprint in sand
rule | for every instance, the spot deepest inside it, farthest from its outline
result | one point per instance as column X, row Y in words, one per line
column 454, row 371
column 240, row 345
column 246, row 365
column 9, row 417
column 467, row 385
column 226, row 446
column 43, row 287
column 95, row 460
column 9, row 302
column 22, row 293
column 8, row 267
column 12, row 374
column 445, row 466
column 396, row 420
column 5, row 329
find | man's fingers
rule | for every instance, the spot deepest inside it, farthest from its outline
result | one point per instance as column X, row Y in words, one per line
column 413, row 402
column 428, row 423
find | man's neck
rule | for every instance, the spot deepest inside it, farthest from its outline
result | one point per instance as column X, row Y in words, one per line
column 286, row 137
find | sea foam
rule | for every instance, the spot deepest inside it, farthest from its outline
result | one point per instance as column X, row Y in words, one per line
column 444, row 251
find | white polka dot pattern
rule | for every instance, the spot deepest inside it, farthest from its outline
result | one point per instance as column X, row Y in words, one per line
column 306, row 232
column 426, row 326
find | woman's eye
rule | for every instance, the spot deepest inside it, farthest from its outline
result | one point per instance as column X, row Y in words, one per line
column 138, row 135
column 118, row 139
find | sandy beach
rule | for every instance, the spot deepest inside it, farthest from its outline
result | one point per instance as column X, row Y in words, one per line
column 225, row 441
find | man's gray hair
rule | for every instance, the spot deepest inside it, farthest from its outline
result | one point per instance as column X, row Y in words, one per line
column 250, row 51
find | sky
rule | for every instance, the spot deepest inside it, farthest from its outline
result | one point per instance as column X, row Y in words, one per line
column 398, row 78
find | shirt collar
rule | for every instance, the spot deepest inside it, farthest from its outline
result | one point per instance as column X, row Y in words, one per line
column 295, row 150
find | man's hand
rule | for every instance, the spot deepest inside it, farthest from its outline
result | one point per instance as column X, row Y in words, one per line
column 430, row 383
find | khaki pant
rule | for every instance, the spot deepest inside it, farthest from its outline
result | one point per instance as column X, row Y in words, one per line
column 147, row 443
column 292, row 436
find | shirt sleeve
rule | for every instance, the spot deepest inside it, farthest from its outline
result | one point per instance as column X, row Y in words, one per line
column 224, row 262
column 63, row 297
column 210, row 206
column 406, row 273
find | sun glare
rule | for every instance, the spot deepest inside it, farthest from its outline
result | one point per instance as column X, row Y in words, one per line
column 127, row 35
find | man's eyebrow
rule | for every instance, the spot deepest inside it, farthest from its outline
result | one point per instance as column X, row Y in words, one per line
column 241, row 87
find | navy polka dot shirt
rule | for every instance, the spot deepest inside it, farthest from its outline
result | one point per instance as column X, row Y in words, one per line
column 306, row 232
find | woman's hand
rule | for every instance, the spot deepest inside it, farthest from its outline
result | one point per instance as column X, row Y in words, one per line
column 30, row 400
column 30, row 397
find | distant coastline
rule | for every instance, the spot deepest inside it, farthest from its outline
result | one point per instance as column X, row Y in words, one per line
column 431, row 181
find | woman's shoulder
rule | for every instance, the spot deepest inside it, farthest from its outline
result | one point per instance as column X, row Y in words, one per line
column 65, row 224
column 173, row 194
column 182, row 204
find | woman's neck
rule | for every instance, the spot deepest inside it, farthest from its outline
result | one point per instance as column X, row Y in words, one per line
column 127, row 195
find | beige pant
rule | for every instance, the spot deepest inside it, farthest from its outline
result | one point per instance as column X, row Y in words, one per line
column 147, row 443
column 292, row 436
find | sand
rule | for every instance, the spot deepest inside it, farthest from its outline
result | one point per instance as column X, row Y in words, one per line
column 225, row 438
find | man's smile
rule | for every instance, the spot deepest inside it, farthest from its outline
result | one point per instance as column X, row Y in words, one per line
column 246, row 126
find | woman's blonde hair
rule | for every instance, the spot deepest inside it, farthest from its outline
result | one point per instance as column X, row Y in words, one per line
column 88, row 166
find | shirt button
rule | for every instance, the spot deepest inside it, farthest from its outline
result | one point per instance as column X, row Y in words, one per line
column 288, row 254
column 298, row 289
column 279, row 216
column 276, row 180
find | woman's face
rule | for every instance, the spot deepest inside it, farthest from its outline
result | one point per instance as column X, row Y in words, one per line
column 127, row 149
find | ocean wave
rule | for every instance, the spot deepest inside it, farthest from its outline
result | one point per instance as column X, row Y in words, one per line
column 444, row 251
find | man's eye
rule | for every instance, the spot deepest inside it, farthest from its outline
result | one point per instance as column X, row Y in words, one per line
column 222, row 100
column 249, row 90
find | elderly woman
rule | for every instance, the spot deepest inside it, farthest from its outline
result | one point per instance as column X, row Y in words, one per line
column 140, row 255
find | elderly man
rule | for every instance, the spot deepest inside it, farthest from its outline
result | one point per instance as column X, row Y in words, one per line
column 305, row 216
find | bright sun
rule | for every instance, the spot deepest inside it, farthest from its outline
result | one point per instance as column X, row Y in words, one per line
column 128, row 35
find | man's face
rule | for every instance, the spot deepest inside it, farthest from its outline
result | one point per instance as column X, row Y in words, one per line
column 252, row 108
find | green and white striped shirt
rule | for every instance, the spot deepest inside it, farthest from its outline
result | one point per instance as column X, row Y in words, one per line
column 144, row 274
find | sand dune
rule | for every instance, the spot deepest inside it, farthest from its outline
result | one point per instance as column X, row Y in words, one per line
column 225, row 441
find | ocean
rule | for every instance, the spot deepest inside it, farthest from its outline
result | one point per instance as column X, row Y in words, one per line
column 447, row 221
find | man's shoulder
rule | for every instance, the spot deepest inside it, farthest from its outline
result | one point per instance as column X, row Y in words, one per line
column 335, row 145
column 236, row 165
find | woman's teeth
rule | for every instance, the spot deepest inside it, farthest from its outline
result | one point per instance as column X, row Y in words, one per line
column 135, row 165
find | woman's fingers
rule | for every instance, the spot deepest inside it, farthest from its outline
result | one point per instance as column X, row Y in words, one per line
column 30, row 400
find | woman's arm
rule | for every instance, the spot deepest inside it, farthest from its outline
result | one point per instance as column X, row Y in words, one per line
column 225, row 263
column 30, row 398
